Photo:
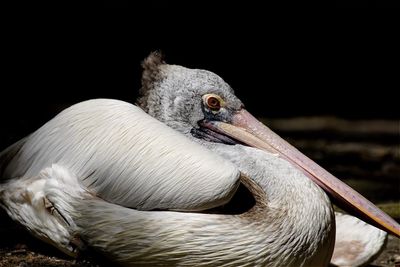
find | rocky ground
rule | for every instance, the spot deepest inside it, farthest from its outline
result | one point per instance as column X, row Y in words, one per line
column 391, row 255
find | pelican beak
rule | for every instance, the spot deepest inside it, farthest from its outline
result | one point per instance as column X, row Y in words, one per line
column 248, row 130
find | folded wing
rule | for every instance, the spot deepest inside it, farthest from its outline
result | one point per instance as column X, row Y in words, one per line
column 124, row 156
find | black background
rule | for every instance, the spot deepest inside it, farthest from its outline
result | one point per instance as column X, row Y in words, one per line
column 280, row 65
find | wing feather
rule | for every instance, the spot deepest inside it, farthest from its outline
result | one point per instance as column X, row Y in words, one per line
column 127, row 157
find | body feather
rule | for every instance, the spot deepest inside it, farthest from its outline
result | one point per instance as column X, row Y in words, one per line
column 126, row 157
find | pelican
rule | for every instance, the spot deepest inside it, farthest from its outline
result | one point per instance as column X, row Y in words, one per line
column 127, row 185
column 357, row 243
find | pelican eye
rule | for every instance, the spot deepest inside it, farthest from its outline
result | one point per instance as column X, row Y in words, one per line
column 213, row 102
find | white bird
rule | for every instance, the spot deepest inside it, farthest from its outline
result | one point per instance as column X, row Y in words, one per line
column 111, row 149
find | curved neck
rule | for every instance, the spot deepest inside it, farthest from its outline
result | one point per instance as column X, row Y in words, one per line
column 291, row 212
column 292, row 223
column 267, row 235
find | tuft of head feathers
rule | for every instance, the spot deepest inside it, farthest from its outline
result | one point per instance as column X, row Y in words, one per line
column 151, row 74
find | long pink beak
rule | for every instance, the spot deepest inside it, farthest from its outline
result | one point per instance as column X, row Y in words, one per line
column 247, row 129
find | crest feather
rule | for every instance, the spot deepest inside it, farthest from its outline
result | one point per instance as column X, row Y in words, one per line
column 151, row 74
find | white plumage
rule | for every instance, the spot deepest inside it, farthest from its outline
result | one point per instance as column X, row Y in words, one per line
column 270, row 234
column 127, row 157
column 120, row 154
column 25, row 200
column 358, row 242
column 49, row 160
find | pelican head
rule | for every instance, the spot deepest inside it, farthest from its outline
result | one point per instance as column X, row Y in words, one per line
column 182, row 97
column 200, row 104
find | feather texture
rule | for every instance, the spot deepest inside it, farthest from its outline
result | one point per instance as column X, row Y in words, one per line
column 357, row 243
column 273, row 233
column 127, row 157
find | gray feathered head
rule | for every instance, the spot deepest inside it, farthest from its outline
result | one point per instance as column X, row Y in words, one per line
column 180, row 97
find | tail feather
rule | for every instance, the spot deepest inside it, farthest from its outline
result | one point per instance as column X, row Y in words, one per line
column 29, row 201
column 357, row 243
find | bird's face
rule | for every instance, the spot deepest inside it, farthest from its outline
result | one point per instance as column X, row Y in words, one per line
column 200, row 103
column 183, row 98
